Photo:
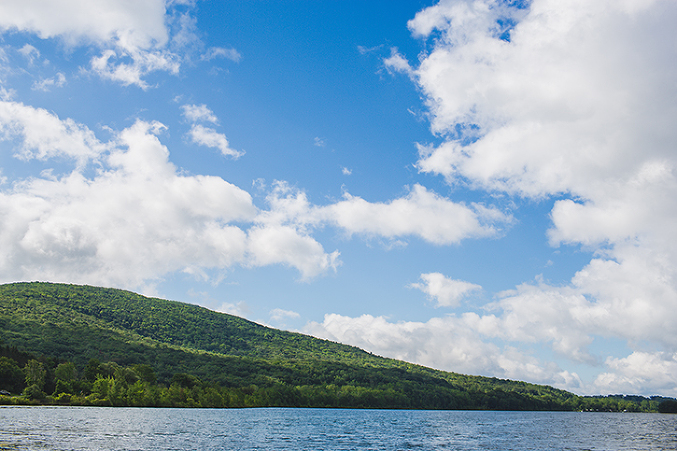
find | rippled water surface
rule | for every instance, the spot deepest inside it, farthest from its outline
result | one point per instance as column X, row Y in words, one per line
column 96, row 428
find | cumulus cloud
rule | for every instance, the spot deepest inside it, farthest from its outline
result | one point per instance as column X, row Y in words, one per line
column 113, row 66
column 568, row 319
column 132, row 25
column 277, row 244
column 136, row 219
column 283, row 233
column 40, row 134
column 565, row 99
column 133, row 222
column 638, row 371
column 133, row 37
column 421, row 213
column 447, row 292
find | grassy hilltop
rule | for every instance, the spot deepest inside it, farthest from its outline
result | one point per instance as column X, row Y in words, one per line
column 100, row 346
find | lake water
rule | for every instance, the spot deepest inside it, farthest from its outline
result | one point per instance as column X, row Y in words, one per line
column 96, row 428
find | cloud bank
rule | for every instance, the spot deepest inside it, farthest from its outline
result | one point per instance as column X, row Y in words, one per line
column 126, row 216
column 563, row 99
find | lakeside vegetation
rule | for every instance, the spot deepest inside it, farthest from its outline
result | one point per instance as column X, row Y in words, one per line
column 81, row 345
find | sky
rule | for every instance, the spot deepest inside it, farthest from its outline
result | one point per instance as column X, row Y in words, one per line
column 480, row 186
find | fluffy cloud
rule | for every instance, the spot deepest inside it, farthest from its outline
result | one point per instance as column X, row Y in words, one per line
column 240, row 309
column 207, row 136
column 30, row 53
column 197, row 113
column 568, row 319
column 273, row 244
column 568, row 101
column 576, row 100
column 447, row 292
column 135, row 221
column 130, row 24
column 39, row 134
column 111, row 65
column 421, row 213
column 397, row 63
column 638, row 371
column 133, row 36
column 137, row 218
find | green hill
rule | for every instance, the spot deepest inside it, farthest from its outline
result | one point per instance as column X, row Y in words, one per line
column 90, row 345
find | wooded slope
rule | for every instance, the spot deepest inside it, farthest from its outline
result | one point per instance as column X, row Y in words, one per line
column 191, row 348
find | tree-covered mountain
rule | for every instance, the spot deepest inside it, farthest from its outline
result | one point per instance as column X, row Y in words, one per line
column 102, row 346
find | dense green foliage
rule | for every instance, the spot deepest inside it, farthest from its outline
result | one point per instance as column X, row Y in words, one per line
column 97, row 346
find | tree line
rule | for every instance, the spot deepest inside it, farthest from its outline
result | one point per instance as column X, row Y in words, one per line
column 80, row 345
column 46, row 381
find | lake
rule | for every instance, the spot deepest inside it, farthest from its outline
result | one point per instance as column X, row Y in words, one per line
column 100, row 428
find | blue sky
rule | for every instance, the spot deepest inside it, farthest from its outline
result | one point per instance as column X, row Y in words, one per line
column 480, row 186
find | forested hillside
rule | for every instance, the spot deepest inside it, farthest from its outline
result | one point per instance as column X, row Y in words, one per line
column 99, row 346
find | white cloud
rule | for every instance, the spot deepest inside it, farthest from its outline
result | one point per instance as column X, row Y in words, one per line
column 421, row 213
column 220, row 52
column 365, row 50
column 30, row 53
column 397, row 63
column 346, row 171
column 42, row 135
column 133, row 36
column 133, row 222
column 197, row 113
column 319, row 142
column 287, row 245
column 575, row 100
column 207, row 136
column 568, row 101
column 447, row 292
column 639, row 371
column 131, row 24
column 43, row 85
column 111, row 65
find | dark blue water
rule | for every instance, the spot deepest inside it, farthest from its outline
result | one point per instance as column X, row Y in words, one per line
column 95, row 428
